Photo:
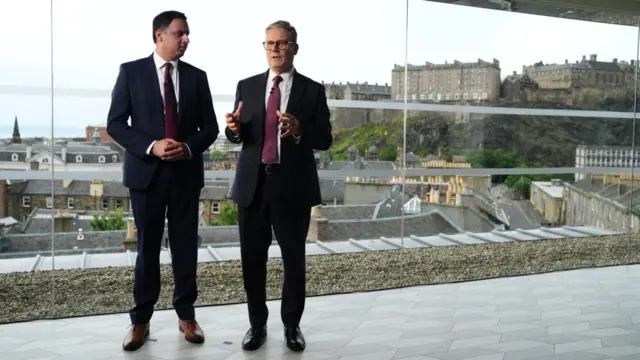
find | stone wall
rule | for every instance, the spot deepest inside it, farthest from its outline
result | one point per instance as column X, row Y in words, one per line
column 587, row 209
column 106, row 239
column 575, row 97
column 346, row 117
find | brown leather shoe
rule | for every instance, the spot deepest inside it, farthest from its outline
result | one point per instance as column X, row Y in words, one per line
column 136, row 336
column 192, row 331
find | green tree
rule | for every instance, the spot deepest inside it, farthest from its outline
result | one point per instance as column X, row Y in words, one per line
column 217, row 154
column 228, row 215
column 108, row 220
column 388, row 153
column 522, row 183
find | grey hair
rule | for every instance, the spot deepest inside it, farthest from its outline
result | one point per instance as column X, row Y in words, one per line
column 282, row 24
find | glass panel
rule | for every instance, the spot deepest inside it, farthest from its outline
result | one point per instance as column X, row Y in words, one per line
column 25, row 143
column 518, row 68
column 515, row 170
column 91, row 212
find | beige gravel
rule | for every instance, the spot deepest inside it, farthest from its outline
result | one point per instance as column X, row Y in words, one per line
column 28, row 295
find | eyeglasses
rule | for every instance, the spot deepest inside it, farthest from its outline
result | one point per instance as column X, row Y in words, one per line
column 282, row 44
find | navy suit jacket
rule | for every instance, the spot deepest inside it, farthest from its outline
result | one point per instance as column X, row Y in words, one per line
column 308, row 103
column 136, row 94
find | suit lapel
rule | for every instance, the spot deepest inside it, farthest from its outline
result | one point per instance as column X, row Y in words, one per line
column 152, row 74
column 297, row 90
column 183, row 77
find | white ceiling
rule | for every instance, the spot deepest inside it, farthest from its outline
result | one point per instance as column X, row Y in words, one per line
column 622, row 12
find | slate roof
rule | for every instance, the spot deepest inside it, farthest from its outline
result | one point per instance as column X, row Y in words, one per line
column 222, row 252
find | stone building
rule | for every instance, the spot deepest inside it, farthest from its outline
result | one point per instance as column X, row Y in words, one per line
column 603, row 202
column 90, row 134
column 21, row 154
column 547, row 197
column 21, row 199
column 587, row 73
column 605, row 156
column 457, row 81
column 357, row 91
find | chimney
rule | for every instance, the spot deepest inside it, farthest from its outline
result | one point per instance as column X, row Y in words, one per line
column 29, row 151
column 4, row 205
column 318, row 229
column 594, row 57
column 63, row 152
column 514, row 73
column 584, row 57
column 130, row 242
column 615, row 60
column 63, row 222
column 96, row 188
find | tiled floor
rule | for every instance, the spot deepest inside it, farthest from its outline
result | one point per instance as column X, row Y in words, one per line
column 582, row 315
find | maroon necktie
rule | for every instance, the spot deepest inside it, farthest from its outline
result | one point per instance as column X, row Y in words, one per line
column 170, row 105
column 270, row 146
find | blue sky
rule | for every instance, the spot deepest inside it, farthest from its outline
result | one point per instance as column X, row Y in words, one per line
column 354, row 40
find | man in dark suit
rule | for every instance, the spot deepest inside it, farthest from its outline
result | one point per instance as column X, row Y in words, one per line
column 172, row 124
column 280, row 117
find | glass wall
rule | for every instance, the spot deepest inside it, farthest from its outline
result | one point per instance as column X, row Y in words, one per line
column 468, row 143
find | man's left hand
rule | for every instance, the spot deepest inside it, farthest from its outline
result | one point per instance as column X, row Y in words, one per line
column 289, row 124
column 175, row 151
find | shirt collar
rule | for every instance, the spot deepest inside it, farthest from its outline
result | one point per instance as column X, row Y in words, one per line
column 160, row 61
column 286, row 76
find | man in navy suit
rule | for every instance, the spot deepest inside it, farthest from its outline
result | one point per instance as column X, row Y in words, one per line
column 172, row 124
column 280, row 117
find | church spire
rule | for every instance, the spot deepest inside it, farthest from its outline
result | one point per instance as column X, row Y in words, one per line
column 16, row 132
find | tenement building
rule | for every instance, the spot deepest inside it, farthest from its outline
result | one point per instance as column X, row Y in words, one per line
column 474, row 81
column 605, row 156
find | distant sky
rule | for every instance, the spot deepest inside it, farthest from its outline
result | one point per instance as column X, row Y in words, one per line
column 340, row 40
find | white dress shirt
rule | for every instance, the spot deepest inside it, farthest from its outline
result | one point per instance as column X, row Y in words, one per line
column 160, row 69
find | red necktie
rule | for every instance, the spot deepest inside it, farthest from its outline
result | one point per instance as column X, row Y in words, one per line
column 170, row 105
column 270, row 145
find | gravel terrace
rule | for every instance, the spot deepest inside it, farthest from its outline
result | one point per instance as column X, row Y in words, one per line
column 28, row 295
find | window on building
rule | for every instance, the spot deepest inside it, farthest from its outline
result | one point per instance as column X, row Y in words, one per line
column 14, row 157
column 118, row 204
column 71, row 203
column 49, row 202
column 26, row 201
column 45, row 161
column 114, row 158
column 215, row 207
column 101, row 159
column 105, row 204
column 78, row 158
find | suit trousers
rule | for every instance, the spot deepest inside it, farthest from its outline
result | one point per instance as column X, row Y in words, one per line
column 168, row 196
column 290, row 223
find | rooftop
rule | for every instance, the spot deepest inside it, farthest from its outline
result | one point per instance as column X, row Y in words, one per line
column 213, row 253
column 555, row 190
column 580, row 314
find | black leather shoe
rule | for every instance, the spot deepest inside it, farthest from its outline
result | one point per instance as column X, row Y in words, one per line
column 295, row 340
column 254, row 338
